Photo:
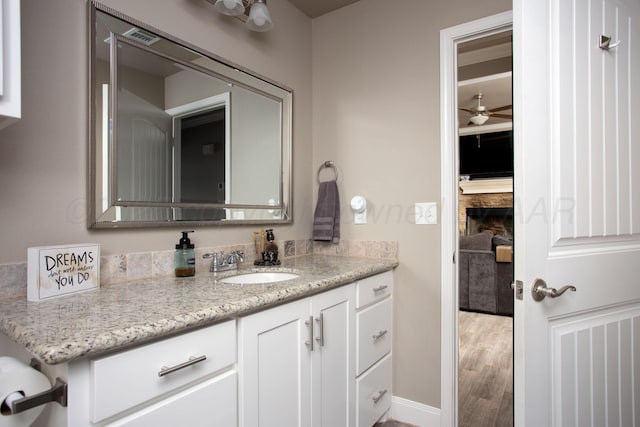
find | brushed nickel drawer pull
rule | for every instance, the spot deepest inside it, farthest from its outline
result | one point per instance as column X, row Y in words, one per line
column 377, row 398
column 379, row 335
column 320, row 321
column 309, row 324
column 380, row 288
column 164, row 370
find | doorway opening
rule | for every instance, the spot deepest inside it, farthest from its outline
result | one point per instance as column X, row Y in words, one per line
column 485, row 241
column 477, row 222
column 202, row 156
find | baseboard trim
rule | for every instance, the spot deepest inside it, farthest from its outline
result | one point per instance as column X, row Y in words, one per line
column 415, row 413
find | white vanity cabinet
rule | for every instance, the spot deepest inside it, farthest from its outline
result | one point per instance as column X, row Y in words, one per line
column 373, row 351
column 321, row 361
column 296, row 364
column 10, row 78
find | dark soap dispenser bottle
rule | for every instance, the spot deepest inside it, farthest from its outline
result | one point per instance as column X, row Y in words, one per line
column 184, row 260
column 271, row 249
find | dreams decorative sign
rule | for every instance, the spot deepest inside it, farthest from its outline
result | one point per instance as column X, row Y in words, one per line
column 53, row 271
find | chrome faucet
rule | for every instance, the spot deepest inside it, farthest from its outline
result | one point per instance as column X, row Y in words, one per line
column 222, row 262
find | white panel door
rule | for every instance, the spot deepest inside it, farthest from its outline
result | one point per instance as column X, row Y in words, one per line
column 577, row 221
column 145, row 156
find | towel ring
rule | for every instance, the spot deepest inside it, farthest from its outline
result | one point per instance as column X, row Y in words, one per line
column 326, row 165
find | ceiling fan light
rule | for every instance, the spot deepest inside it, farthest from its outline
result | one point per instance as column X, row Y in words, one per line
column 479, row 119
column 259, row 17
column 229, row 7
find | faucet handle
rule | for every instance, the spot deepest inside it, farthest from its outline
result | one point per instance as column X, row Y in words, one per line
column 234, row 256
column 215, row 264
column 213, row 255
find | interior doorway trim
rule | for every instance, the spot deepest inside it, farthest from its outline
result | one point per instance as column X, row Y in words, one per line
column 449, row 39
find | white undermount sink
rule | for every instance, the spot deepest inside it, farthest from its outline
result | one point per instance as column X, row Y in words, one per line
column 261, row 277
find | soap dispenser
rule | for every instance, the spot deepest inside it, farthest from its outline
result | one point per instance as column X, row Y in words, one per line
column 184, row 260
column 271, row 249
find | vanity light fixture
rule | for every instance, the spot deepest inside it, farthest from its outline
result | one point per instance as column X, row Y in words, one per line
column 254, row 12
column 229, row 7
column 259, row 17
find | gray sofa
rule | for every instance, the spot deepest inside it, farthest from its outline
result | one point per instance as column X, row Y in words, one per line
column 484, row 283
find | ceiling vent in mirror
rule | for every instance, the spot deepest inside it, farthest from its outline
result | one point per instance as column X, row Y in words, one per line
column 141, row 36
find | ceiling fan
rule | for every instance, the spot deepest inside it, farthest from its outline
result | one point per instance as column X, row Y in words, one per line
column 481, row 114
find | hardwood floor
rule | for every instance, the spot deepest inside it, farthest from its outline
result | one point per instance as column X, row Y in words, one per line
column 485, row 370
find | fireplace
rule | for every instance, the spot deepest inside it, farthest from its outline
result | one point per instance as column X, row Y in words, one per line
column 498, row 220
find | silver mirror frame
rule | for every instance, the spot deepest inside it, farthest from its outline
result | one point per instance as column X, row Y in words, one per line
column 282, row 213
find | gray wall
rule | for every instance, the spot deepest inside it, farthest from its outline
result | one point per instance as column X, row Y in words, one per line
column 376, row 114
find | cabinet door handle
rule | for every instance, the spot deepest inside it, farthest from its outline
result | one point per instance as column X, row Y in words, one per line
column 379, row 335
column 380, row 288
column 164, row 370
column 320, row 321
column 378, row 396
column 309, row 324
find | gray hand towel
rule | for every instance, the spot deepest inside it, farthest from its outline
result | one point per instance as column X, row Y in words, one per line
column 326, row 220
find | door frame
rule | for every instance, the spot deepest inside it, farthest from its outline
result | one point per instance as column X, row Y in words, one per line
column 449, row 38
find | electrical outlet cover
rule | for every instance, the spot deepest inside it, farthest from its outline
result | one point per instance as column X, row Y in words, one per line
column 426, row 213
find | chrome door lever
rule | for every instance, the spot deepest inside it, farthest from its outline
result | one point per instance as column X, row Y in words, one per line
column 539, row 290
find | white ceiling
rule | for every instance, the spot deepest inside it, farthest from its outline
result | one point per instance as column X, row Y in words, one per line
column 315, row 8
column 496, row 92
column 495, row 85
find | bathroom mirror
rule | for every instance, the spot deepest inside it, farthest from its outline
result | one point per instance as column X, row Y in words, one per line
column 180, row 136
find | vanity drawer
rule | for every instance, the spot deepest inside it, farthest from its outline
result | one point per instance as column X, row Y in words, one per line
column 373, row 393
column 374, row 288
column 211, row 403
column 126, row 379
column 373, row 325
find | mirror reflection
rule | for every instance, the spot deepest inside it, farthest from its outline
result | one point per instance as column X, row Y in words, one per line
column 180, row 136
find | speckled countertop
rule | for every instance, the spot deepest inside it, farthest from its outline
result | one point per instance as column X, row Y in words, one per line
column 117, row 316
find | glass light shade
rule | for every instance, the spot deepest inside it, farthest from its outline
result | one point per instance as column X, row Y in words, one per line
column 479, row 119
column 259, row 17
column 229, row 7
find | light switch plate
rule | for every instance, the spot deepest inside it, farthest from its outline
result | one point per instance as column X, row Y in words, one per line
column 427, row 213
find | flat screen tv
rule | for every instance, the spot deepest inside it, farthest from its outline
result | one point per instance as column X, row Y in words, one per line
column 488, row 155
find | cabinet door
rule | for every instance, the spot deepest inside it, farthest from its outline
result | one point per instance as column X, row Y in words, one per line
column 333, row 369
column 275, row 367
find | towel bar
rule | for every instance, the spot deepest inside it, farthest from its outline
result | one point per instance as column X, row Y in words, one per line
column 326, row 165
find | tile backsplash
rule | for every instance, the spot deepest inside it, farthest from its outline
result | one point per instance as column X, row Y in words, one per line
column 138, row 265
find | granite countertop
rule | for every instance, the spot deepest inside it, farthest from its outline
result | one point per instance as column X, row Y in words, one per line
column 113, row 317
